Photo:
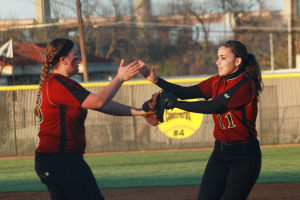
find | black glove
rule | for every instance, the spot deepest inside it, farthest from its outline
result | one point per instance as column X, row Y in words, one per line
column 156, row 106
column 167, row 100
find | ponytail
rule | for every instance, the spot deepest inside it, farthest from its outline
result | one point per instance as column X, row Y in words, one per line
column 249, row 63
column 252, row 68
column 44, row 76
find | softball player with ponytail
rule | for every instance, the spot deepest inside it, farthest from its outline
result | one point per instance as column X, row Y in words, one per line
column 62, row 108
column 235, row 163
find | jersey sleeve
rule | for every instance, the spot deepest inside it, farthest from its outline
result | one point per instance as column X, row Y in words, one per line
column 240, row 94
column 63, row 92
column 206, row 87
column 182, row 92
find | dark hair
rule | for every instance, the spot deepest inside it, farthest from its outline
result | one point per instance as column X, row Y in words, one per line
column 249, row 63
column 56, row 49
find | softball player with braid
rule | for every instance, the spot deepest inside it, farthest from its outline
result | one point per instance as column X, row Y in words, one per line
column 235, row 163
column 62, row 108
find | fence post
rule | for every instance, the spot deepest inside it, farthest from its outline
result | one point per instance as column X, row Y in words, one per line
column 272, row 52
column 134, row 120
column 14, row 94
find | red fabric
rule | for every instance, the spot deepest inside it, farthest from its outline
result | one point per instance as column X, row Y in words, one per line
column 229, row 126
column 61, row 114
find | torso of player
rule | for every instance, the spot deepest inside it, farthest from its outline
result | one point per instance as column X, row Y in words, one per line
column 61, row 116
column 229, row 126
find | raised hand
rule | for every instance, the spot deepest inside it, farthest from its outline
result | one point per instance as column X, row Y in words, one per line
column 127, row 72
column 148, row 72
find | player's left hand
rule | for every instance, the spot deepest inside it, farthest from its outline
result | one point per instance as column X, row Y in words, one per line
column 147, row 72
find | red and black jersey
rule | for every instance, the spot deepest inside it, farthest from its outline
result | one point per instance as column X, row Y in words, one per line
column 61, row 116
column 238, row 93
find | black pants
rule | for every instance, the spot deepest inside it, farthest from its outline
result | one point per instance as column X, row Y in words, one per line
column 231, row 171
column 67, row 176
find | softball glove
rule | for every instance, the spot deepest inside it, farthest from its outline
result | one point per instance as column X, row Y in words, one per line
column 156, row 106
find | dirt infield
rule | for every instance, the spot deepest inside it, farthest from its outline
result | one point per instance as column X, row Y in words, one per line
column 277, row 191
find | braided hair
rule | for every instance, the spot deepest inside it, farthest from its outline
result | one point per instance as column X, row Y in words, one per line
column 249, row 63
column 56, row 49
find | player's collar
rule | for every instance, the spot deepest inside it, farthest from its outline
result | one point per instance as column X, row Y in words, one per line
column 233, row 75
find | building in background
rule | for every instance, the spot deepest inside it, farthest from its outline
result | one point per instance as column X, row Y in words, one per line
column 26, row 65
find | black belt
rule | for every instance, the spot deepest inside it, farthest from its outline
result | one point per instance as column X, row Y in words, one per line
column 235, row 146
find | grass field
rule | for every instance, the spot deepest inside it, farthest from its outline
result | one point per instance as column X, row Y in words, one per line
column 172, row 168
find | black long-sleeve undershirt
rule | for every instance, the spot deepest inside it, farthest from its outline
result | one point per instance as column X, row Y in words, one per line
column 215, row 106
column 190, row 92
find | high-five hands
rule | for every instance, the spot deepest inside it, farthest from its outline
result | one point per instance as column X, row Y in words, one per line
column 127, row 72
column 148, row 72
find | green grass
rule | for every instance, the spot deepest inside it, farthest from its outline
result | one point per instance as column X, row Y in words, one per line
column 280, row 164
column 153, row 169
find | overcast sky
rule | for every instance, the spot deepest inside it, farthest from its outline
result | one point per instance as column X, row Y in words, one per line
column 17, row 9
column 25, row 9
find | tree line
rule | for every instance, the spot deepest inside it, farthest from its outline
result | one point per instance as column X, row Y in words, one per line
column 180, row 49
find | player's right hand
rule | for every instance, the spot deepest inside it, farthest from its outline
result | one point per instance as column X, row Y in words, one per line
column 127, row 72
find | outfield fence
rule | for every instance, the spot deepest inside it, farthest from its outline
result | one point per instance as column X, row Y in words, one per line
column 277, row 122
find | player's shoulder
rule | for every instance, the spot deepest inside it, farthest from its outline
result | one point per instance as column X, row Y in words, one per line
column 244, row 77
column 54, row 77
column 249, row 84
column 247, row 78
column 215, row 79
column 53, row 81
column 58, row 79
column 211, row 82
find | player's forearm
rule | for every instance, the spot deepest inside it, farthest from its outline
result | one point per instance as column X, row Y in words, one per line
column 110, row 90
column 98, row 100
column 118, row 109
column 215, row 106
column 181, row 92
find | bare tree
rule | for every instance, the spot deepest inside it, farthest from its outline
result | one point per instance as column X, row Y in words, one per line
column 105, row 41
column 202, row 13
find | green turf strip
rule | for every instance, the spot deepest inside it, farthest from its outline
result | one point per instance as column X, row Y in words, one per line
column 152, row 169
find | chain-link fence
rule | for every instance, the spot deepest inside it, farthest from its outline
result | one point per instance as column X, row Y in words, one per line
column 277, row 123
column 176, row 50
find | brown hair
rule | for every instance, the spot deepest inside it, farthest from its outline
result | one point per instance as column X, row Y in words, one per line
column 249, row 63
column 56, row 49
